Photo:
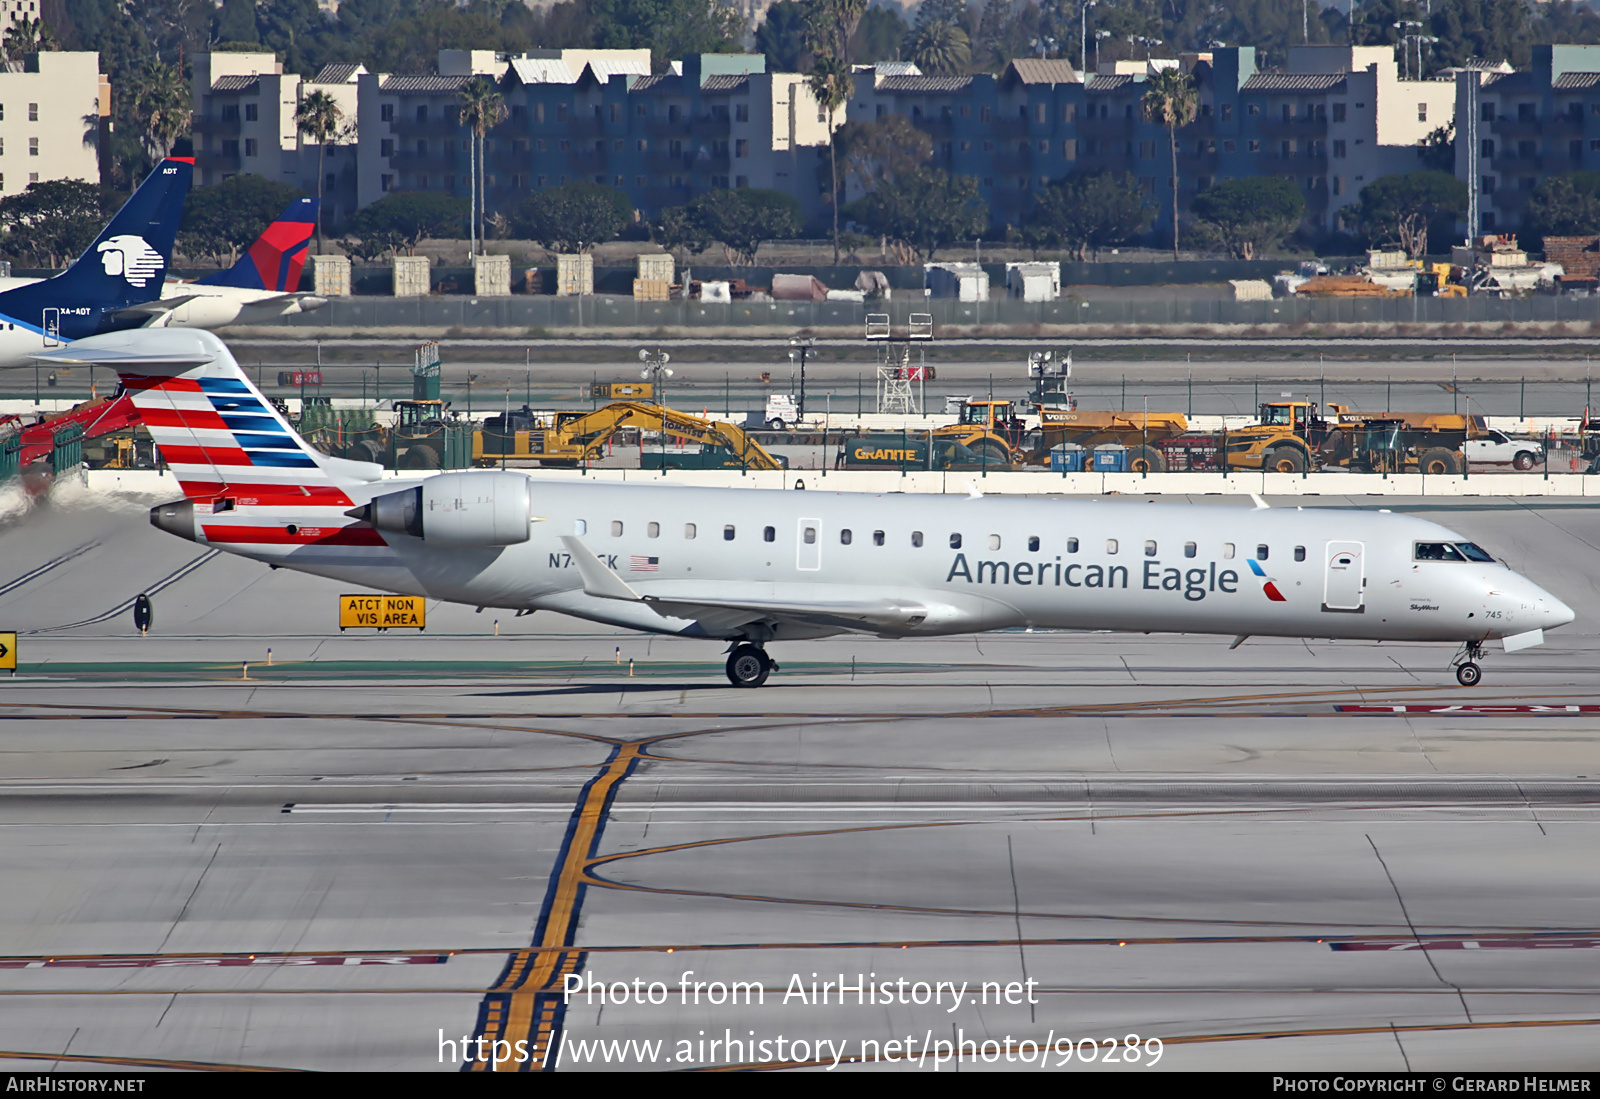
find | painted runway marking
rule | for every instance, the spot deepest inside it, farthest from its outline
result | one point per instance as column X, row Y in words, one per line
column 1471, row 708
column 1521, row 943
column 157, row 961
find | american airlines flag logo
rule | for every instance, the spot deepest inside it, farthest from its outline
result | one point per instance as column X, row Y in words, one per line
column 644, row 564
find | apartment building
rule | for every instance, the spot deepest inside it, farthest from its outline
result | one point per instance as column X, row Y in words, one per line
column 597, row 115
column 244, row 122
column 55, row 109
column 1519, row 127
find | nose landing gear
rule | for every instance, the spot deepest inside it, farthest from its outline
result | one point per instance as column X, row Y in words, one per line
column 749, row 665
column 1468, row 672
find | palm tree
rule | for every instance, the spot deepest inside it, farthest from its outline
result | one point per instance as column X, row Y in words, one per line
column 28, row 36
column 482, row 108
column 318, row 117
column 830, row 83
column 161, row 107
column 1171, row 100
column 938, row 46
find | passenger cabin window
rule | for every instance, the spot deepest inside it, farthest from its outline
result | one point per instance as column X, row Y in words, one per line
column 1299, row 553
column 916, row 539
column 955, row 541
column 1438, row 551
column 1261, row 553
column 769, row 534
column 653, row 530
column 727, row 533
column 1227, row 551
column 688, row 530
column 877, row 537
column 994, row 541
column 1190, row 549
column 1150, row 548
column 845, row 536
column 808, row 535
column 580, row 526
column 1072, row 545
column 1111, row 545
column 1033, row 543
column 616, row 528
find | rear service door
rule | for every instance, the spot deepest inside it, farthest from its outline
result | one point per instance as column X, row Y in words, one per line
column 52, row 328
column 1345, row 578
column 808, row 545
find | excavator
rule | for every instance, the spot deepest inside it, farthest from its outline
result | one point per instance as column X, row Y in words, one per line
column 568, row 438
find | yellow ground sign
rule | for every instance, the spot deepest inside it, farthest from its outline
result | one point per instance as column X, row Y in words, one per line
column 8, row 652
column 382, row 612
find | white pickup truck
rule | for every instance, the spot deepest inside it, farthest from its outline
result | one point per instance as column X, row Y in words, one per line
column 1496, row 448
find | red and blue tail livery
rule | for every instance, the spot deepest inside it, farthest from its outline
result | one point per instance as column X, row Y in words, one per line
column 275, row 261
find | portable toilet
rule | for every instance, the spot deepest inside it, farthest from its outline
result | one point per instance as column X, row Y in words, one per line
column 1068, row 458
column 1111, row 458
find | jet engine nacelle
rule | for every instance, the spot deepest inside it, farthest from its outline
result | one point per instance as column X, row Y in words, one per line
column 488, row 508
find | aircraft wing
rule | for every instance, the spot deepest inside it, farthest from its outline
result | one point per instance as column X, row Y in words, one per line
column 153, row 309
column 722, row 606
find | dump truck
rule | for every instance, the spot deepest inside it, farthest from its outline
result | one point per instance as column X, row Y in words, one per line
column 568, row 438
column 1293, row 437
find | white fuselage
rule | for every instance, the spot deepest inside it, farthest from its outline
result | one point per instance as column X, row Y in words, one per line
column 217, row 306
column 956, row 564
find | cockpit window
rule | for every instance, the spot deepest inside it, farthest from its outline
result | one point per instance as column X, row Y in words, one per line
column 1472, row 552
column 1438, row 551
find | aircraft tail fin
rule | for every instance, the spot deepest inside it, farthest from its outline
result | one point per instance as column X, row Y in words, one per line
column 214, row 429
column 127, row 263
column 276, row 259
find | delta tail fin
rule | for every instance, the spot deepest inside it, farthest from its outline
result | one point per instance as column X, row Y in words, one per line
column 275, row 260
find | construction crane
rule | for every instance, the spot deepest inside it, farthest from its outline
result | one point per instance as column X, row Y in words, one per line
column 567, row 438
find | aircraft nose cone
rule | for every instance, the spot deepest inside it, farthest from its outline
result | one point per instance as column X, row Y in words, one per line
column 1556, row 613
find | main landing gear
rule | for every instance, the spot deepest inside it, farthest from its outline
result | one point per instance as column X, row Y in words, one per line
column 749, row 665
column 1468, row 673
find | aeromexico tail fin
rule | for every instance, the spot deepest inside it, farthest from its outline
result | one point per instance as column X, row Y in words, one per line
column 215, row 430
column 275, row 260
column 126, row 264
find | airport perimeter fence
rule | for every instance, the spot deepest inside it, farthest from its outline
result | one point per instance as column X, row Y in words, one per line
column 463, row 315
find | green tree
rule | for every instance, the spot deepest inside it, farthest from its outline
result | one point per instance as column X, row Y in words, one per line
column 830, row 83
column 937, row 46
column 400, row 220
column 880, row 151
column 1567, row 205
column 672, row 29
column 1250, row 214
column 879, row 35
column 161, row 107
column 782, row 36
column 1402, row 208
column 1170, row 99
column 679, row 232
column 51, row 223
column 482, row 108
column 744, row 219
column 1438, row 149
column 575, row 217
column 28, row 36
column 221, row 221
column 1089, row 210
column 925, row 209
column 318, row 116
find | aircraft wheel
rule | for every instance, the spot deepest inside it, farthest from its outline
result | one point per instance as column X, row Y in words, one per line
column 1523, row 461
column 748, row 666
column 1468, row 674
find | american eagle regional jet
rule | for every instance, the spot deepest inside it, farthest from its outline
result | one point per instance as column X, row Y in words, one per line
column 754, row 567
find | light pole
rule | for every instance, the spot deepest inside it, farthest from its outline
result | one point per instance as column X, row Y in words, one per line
column 1083, row 35
column 1405, row 44
column 801, row 346
column 1100, row 35
column 655, row 371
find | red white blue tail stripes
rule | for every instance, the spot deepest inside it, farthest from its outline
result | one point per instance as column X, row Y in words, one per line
column 255, row 483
